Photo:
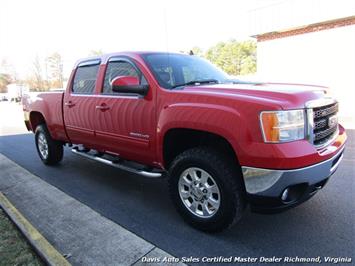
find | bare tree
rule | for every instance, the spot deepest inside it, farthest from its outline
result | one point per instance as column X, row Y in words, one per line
column 38, row 81
column 5, row 80
column 6, row 71
column 7, row 68
column 96, row 52
column 55, row 67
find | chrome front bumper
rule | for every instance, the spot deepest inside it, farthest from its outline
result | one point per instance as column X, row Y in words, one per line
column 271, row 183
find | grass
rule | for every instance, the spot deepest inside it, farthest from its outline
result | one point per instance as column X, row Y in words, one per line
column 14, row 249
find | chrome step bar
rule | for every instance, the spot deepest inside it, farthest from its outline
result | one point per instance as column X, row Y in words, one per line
column 118, row 165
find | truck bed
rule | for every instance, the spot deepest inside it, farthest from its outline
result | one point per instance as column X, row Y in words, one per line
column 49, row 105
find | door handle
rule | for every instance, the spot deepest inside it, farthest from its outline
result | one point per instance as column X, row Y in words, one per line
column 102, row 107
column 69, row 104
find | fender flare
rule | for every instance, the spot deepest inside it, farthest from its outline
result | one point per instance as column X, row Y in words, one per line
column 220, row 120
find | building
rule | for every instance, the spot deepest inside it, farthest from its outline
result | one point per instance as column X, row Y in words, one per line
column 310, row 42
column 16, row 91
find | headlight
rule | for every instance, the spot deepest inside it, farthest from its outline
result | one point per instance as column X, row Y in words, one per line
column 283, row 126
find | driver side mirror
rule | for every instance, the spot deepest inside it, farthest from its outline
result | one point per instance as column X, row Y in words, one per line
column 128, row 84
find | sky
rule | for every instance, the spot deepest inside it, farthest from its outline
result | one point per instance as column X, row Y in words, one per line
column 30, row 28
column 74, row 28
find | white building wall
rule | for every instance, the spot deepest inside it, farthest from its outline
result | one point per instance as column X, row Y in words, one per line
column 326, row 58
column 285, row 14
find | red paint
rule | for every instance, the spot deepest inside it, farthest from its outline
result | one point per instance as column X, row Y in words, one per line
column 134, row 127
column 125, row 80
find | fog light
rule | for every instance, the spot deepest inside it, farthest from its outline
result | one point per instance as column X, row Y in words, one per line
column 285, row 194
column 293, row 193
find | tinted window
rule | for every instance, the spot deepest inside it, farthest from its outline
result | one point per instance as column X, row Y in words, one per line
column 120, row 68
column 85, row 79
column 173, row 69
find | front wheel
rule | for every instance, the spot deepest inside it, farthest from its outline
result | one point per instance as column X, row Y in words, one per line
column 49, row 150
column 207, row 189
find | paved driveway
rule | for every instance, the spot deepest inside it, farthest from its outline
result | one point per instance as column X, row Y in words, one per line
column 323, row 226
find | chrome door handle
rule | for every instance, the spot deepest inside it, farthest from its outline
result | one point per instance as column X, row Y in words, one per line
column 102, row 107
column 69, row 104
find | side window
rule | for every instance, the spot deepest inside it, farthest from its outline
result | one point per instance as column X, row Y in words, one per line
column 85, row 79
column 120, row 68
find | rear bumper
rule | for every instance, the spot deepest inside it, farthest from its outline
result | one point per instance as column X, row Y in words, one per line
column 28, row 125
column 26, row 117
column 266, row 187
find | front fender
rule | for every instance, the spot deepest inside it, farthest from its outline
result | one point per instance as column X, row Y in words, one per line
column 217, row 119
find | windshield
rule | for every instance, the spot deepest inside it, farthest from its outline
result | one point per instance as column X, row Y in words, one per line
column 176, row 70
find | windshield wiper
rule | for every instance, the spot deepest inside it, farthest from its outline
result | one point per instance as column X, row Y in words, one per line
column 197, row 82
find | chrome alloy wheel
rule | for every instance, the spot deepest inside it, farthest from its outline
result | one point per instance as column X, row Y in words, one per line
column 42, row 145
column 199, row 192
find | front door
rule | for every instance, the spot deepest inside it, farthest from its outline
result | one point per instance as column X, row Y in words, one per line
column 125, row 122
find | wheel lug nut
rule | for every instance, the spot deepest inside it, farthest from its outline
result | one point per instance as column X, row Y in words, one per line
column 205, row 191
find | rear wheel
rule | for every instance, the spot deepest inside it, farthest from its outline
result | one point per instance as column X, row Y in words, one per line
column 49, row 150
column 207, row 189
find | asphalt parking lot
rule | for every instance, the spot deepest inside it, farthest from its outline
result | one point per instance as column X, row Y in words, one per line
column 323, row 226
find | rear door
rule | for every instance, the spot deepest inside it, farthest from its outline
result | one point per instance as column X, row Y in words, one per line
column 125, row 122
column 80, row 102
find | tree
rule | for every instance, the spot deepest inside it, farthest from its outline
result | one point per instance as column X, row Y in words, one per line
column 197, row 51
column 236, row 58
column 54, row 65
column 5, row 79
column 38, row 82
column 96, row 52
column 7, row 68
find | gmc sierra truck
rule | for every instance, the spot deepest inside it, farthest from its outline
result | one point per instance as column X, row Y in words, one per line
column 223, row 144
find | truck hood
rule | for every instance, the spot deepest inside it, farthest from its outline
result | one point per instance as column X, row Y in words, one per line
column 285, row 95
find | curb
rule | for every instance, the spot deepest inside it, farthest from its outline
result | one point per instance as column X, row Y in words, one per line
column 44, row 249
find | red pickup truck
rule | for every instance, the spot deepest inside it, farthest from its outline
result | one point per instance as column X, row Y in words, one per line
column 223, row 144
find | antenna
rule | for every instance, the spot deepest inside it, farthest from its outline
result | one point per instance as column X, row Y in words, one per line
column 166, row 28
column 166, row 32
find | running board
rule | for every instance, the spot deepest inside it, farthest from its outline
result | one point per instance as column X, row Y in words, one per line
column 118, row 165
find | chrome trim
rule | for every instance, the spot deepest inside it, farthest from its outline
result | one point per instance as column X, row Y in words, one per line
column 335, row 166
column 310, row 125
column 139, row 135
column 261, row 179
column 333, row 121
column 120, row 166
column 292, row 125
column 90, row 62
column 335, row 135
column 136, row 96
column 257, row 180
column 310, row 120
column 320, row 102
column 303, row 168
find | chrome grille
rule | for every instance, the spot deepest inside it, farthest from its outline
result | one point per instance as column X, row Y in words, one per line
column 325, row 123
column 324, row 133
column 325, row 111
column 320, row 124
